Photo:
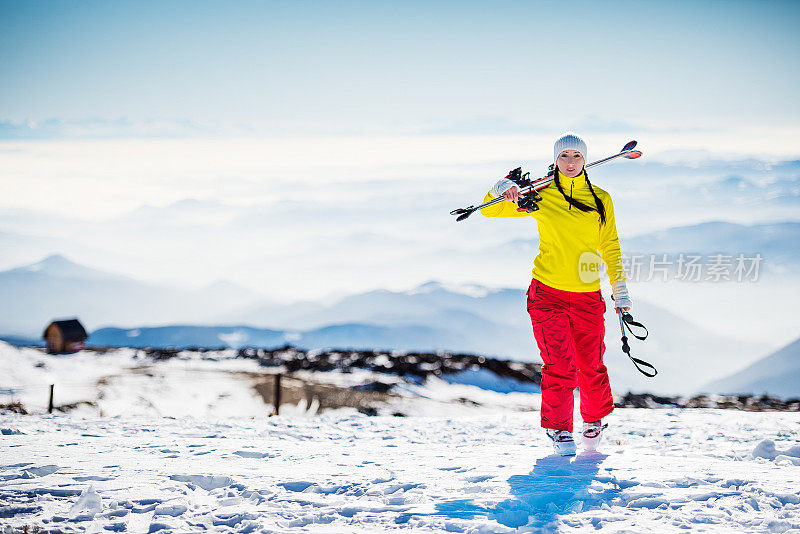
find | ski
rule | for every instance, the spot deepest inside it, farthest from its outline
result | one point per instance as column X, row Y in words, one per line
column 530, row 187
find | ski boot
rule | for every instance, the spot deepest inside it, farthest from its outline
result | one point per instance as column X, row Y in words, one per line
column 592, row 433
column 563, row 443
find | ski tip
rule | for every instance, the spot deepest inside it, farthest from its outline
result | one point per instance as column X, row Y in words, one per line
column 634, row 154
column 459, row 211
column 629, row 146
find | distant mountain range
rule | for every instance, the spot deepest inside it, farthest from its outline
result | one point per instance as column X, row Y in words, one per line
column 776, row 242
column 57, row 287
column 435, row 304
column 686, row 356
column 350, row 336
column 186, row 336
column 433, row 316
column 776, row 374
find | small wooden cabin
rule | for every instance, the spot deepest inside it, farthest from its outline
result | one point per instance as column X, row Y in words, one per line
column 63, row 336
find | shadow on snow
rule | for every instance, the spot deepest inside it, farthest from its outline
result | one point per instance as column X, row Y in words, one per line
column 557, row 485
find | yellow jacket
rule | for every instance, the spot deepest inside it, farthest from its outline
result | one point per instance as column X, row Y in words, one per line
column 569, row 239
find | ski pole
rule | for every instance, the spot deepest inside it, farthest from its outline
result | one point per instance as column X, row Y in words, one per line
column 540, row 183
column 626, row 319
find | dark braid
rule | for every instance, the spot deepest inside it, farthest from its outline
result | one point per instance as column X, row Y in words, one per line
column 599, row 207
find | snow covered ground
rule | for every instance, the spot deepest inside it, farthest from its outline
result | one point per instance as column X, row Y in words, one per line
column 185, row 445
column 218, row 385
column 122, row 382
column 659, row 471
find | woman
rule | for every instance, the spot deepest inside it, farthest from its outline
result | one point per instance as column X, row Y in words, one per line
column 575, row 221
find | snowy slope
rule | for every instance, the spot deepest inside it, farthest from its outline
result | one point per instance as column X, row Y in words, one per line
column 121, row 382
column 219, row 384
column 777, row 374
column 184, row 445
column 352, row 473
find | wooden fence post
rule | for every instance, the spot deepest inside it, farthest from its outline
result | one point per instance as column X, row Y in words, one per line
column 50, row 403
column 277, row 399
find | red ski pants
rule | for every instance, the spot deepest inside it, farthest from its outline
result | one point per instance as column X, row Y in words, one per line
column 569, row 329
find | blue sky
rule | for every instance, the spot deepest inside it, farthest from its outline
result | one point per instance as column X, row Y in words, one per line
column 330, row 191
column 369, row 67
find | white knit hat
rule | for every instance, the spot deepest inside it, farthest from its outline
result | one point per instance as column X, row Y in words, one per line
column 569, row 141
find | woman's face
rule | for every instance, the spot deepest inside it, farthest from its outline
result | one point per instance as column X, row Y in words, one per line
column 570, row 163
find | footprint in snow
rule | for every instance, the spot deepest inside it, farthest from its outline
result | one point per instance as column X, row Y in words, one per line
column 171, row 509
column 91, row 478
column 767, row 449
column 296, row 485
column 12, row 466
column 482, row 478
column 254, row 454
column 206, row 482
column 42, row 471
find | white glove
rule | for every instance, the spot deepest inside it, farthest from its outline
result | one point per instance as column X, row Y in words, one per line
column 501, row 187
column 621, row 297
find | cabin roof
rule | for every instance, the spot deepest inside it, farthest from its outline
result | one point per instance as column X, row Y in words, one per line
column 71, row 329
